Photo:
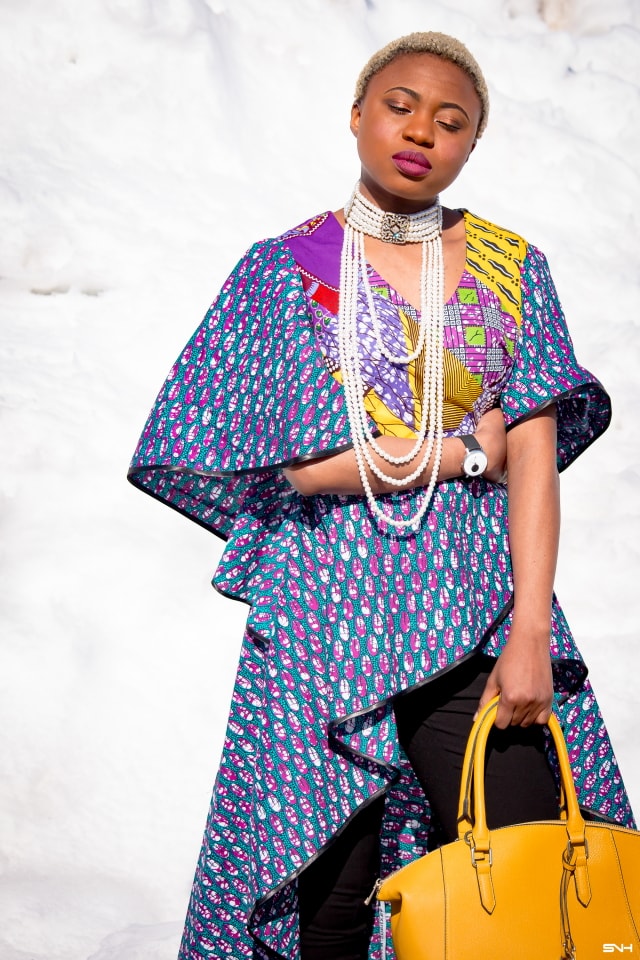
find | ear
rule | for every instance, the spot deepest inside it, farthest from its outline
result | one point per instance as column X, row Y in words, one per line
column 355, row 118
column 473, row 146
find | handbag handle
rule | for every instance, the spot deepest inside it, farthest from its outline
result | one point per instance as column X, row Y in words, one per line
column 472, row 813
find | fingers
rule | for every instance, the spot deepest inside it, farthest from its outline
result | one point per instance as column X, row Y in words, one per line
column 523, row 700
column 512, row 712
column 543, row 717
column 490, row 691
column 504, row 716
column 521, row 714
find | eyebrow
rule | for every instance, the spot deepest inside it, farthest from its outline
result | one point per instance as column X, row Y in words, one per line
column 407, row 90
column 416, row 96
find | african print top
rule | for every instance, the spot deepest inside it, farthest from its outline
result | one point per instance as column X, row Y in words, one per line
column 344, row 615
column 481, row 327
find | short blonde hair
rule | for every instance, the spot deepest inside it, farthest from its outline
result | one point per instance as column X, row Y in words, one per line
column 438, row 44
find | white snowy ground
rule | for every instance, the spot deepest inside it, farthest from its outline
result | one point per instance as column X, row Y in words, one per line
column 145, row 145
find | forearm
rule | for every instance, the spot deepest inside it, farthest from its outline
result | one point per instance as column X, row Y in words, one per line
column 339, row 473
column 534, row 523
column 522, row 675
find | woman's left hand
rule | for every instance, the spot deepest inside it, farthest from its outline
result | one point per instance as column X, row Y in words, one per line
column 523, row 679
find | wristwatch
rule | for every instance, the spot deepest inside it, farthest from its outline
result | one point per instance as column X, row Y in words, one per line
column 475, row 459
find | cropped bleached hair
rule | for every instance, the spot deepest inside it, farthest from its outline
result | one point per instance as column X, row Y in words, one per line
column 438, row 44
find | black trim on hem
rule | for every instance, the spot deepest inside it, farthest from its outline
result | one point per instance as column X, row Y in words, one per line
column 134, row 473
column 566, row 395
column 394, row 773
column 132, row 478
column 245, row 471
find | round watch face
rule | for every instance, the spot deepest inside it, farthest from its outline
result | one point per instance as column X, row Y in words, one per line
column 475, row 463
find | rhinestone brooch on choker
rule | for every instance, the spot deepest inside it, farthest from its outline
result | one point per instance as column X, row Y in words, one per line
column 395, row 227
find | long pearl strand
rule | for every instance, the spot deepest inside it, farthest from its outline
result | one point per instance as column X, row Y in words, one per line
column 362, row 217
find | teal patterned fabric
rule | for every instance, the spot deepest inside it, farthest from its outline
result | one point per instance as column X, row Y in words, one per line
column 343, row 615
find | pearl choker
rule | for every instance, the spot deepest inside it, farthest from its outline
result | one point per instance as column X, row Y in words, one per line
column 425, row 227
column 363, row 216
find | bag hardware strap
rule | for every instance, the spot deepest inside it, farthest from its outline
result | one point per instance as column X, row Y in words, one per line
column 473, row 828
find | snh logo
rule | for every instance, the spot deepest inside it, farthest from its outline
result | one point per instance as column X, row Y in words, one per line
column 617, row 948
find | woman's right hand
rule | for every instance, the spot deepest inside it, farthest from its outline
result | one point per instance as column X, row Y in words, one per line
column 492, row 436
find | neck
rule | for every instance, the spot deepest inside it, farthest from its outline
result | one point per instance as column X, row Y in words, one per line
column 390, row 203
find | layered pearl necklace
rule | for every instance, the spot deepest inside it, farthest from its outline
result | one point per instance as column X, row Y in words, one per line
column 425, row 227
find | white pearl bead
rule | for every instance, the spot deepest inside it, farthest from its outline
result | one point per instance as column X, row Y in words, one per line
column 362, row 217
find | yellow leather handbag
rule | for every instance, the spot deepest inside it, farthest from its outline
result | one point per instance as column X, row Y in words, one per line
column 550, row 890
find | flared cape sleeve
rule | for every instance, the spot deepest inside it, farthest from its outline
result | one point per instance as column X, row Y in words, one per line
column 249, row 394
column 545, row 369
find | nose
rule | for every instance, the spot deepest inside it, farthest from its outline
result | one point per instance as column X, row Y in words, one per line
column 419, row 129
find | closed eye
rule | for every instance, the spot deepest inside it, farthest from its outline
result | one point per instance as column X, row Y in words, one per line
column 399, row 107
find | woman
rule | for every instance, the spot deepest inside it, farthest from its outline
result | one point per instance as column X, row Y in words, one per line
column 339, row 418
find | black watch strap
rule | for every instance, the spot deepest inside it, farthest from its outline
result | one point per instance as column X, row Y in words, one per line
column 470, row 442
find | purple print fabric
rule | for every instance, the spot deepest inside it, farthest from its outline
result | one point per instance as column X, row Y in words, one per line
column 343, row 614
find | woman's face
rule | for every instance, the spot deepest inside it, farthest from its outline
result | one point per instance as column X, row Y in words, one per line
column 416, row 127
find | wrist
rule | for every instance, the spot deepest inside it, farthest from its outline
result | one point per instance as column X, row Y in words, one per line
column 527, row 631
column 495, row 449
column 474, row 460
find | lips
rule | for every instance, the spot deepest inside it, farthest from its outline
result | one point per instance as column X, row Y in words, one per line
column 411, row 163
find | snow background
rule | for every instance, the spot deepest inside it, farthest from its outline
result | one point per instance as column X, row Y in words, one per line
column 145, row 145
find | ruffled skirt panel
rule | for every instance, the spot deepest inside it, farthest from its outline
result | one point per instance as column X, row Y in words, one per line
column 344, row 618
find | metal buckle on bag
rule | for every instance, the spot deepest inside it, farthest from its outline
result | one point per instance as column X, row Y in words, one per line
column 569, row 851
column 481, row 857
